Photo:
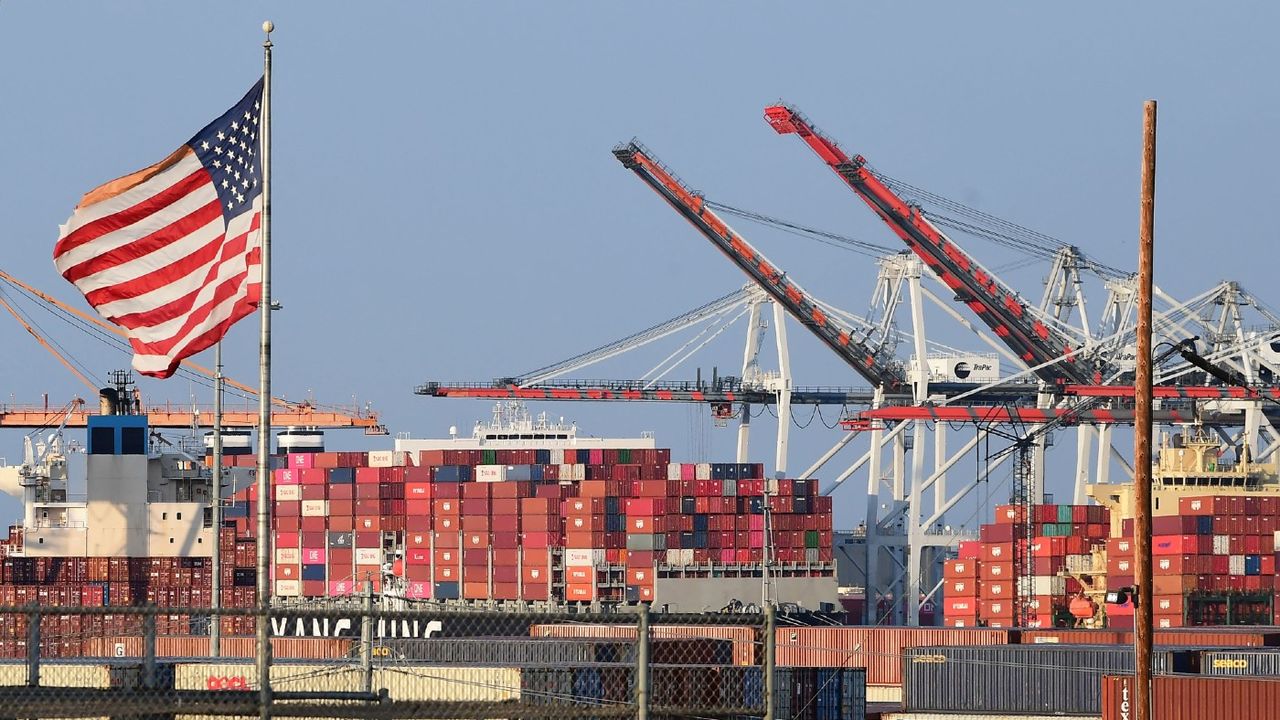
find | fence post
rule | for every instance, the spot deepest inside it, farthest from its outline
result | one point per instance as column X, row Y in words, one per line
column 263, row 660
column 33, row 646
column 366, row 637
column 149, row 647
column 642, row 663
column 770, row 648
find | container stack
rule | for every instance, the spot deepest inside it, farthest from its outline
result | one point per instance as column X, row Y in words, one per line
column 961, row 588
column 1214, row 563
column 1015, row 574
column 602, row 525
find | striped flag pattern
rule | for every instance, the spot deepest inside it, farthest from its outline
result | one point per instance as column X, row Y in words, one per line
column 172, row 253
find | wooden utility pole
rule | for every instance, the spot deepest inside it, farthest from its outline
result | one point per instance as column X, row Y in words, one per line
column 1143, row 626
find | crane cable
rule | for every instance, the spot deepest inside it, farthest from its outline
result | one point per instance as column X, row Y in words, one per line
column 111, row 341
column 993, row 228
column 843, row 242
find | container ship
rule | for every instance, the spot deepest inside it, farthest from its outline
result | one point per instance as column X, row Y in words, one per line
column 1214, row 529
column 522, row 511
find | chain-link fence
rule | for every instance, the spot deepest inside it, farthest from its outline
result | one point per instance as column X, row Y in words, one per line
column 419, row 661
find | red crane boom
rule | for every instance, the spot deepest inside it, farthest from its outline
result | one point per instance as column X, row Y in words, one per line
column 866, row 359
column 997, row 305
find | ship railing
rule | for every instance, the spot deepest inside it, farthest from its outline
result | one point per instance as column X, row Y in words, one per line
column 365, row 661
column 68, row 524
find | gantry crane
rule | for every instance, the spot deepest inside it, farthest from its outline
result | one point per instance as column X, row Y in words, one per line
column 868, row 355
column 284, row 413
column 1051, row 353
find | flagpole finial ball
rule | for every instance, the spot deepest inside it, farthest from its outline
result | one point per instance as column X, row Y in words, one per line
column 268, row 26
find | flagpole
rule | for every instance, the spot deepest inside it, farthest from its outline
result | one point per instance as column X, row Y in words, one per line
column 215, row 599
column 263, row 658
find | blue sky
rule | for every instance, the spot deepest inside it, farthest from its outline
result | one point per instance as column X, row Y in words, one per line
column 446, row 205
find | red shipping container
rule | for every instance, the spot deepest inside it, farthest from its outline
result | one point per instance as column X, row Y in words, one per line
column 450, row 490
column 1009, row 514
column 584, row 523
column 997, row 610
column 1203, row 505
column 505, row 540
column 970, row 550
column 960, row 606
column 998, row 533
column 448, row 523
column 996, row 571
column 997, row 590
column 504, row 523
column 446, row 506
column 1175, row 564
column 1194, row 697
column 418, row 491
column 540, row 523
column 541, row 539
column 475, row 490
column 1175, row 544
column 997, row 552
column 953, row 569
column 475, row 523
column 1043, row 547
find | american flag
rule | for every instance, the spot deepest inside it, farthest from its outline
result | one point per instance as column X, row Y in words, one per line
column 172, row 253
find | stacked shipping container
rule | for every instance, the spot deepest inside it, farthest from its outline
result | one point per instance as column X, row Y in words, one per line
column 1013, row 574
column 1214, row 563
column 573, row 525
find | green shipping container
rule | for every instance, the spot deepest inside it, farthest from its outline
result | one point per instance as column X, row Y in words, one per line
column 811, row 538
column 488, row 457
column 1064, row 513
column 624, row 457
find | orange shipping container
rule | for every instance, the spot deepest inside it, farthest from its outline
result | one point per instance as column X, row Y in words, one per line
column 996, row 571
column 579, row 592
column 997, row 610
column 997, row 552
column 1193, row 697
column 954, row 569
column 997, row 590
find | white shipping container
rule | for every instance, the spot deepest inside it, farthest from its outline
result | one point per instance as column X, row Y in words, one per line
column 702, row 471
column 1048, row 585
column 288, row 556
column 368, row 556
column 315, row 508
column 1079, row 563
column 288, row 588
column 288, row 493
column 686, row 556
column 491, row 473
column 1221, row 544
column 579, row 471
column 388, row 458
column 557, row 456
column 673, row 471
column 1235, row 565
column 673, row 557
column 579, row 557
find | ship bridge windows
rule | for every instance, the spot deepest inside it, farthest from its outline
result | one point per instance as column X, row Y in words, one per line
column 133, row 441
column 102, row 441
